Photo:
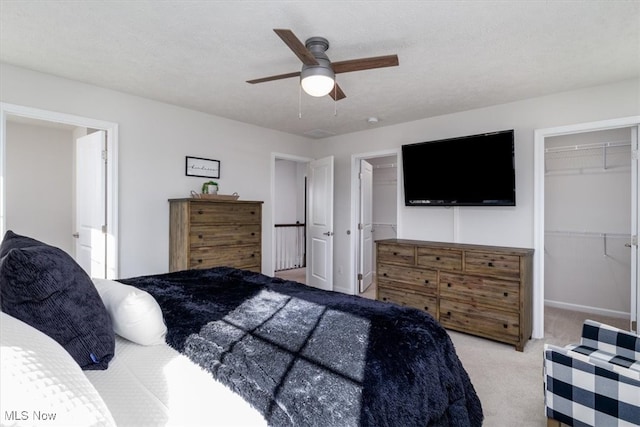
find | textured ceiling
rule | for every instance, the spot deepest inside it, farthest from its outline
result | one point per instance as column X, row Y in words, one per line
column 454, row 55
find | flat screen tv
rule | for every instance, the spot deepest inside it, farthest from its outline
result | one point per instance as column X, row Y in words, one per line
column 474, row 170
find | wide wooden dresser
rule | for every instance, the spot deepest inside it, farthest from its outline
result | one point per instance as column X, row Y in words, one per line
column 481, row 290
column 206, row 233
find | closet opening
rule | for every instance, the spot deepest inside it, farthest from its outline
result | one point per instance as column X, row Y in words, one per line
column 374, row 214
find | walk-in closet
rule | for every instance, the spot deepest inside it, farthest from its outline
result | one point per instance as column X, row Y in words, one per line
column 587, row 258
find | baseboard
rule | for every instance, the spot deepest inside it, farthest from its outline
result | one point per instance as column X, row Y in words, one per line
column 588, row 309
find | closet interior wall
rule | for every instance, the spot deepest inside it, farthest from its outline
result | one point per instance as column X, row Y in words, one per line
column 587, row 222
column 385, row 198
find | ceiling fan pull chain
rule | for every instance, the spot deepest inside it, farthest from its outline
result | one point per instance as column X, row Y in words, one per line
column 299, row 102
column 335, row 97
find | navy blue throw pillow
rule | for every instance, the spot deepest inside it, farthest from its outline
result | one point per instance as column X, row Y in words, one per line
column 45, row 288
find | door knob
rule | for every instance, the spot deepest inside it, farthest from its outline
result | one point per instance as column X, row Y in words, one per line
column 76, row 235
column 328, row 233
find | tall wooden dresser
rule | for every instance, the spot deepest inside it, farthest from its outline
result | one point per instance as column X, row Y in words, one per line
column 480, row 290
column 206, row 233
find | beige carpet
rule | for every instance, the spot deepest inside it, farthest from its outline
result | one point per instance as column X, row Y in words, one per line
column 509, row 383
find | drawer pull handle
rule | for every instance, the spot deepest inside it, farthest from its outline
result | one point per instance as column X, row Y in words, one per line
column 253, row 234
column 506, row 294
column 199, row 236
column 384, row 274
column 426, row 308
column 200, row 212
column 199, row 261
column 437, row 258
column 426, row 281
column 505, row 326
column 253, row 213
column 448, row 313
column 490, row 264
column 448, row 285
column 384, row 298
column 253, row 255
column 395, row 254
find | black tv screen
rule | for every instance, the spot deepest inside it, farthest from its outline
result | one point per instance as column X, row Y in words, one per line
column 474, row 170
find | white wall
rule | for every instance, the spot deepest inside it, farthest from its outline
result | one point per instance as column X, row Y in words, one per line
column 154, row 139
column 507, row 226
column 39, row 183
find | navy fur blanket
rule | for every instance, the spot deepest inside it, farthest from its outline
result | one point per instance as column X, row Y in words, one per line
column 307, row 357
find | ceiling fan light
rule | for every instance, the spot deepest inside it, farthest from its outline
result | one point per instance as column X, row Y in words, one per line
column 317, row 81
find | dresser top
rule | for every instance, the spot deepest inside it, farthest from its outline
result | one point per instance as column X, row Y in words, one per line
column 194, row 199
column 467, row 246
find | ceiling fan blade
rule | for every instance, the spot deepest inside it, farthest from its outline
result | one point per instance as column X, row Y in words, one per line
column 297, row 46
column 364, row 63
column 336, row 93
column 277, row 77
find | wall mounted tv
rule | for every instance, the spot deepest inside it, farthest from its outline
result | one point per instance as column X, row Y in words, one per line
column 474, row 170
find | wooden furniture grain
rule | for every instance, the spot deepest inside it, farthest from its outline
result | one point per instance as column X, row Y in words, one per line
column 206, row 233
column 481, row 290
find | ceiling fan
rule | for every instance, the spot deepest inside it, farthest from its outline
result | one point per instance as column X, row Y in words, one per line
column 317, row 76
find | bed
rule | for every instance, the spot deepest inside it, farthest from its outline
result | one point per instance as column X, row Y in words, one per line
column 228, row 346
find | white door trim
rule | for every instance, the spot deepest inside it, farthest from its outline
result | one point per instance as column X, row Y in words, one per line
column 355, row 208
column 112, row 171
column 538, row 203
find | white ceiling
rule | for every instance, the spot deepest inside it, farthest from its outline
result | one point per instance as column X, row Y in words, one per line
column 454, row 55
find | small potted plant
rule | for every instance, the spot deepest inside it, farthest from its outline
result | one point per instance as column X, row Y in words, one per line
column 210, row 187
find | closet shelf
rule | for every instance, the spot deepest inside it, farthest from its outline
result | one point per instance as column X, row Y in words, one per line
column 590, row 234
column 587, row 234
column 588, row 157
column 593, row 146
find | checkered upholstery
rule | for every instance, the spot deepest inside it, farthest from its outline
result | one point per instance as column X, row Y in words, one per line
column 586, row 385
column 611, row 340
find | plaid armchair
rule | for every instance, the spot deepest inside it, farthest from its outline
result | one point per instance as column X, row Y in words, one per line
column 596, row 382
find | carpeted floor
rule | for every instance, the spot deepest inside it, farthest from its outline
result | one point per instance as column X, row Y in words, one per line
column 509, row 382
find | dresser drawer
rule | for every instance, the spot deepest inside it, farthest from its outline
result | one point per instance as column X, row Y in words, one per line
column 500, row 325
column 227, row 213
column 396, row 254
column 503, row 294
column 440, row 259
column 221, row 235
column 414, row 276
column 410, row 299
column 493, row 264
column 229, row 256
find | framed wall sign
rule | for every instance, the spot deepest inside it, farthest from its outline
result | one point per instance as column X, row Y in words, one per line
column 205, row 168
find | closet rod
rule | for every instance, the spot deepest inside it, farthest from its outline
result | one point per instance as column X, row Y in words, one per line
column 587, row 234
column 587, row 146
column 604, row 236
column 385, row 166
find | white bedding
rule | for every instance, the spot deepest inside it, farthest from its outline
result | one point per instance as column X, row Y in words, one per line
column 157, row 386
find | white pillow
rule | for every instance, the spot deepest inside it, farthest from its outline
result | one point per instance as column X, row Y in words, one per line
column 42, row 384
column 135, row 314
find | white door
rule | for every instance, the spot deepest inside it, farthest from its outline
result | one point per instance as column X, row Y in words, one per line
column 320, row 224
column 90, row 197
column 635, row 210
column 365, row 226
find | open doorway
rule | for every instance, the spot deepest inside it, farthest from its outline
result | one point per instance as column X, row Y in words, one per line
column 309, row 198
column 374, row 213
column 556, row 229
column 289, row 216
column 41, row 201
